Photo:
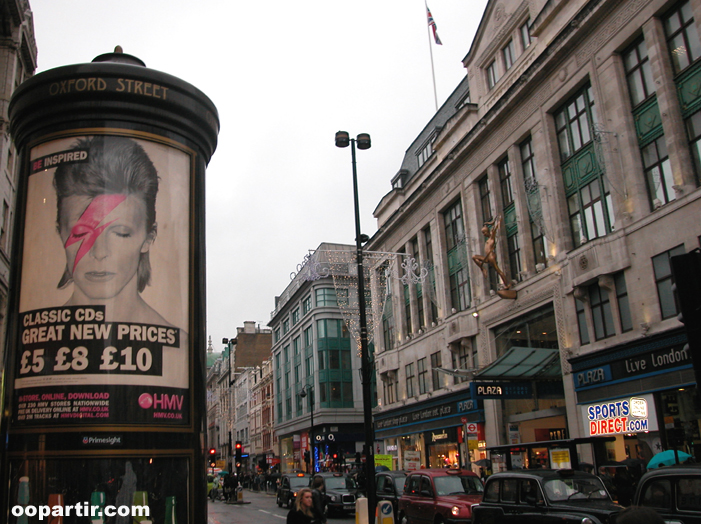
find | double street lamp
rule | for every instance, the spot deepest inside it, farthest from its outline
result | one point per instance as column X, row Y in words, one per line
column 309, row 390
column 363, row 142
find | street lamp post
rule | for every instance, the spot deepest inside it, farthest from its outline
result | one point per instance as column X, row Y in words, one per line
column 309, row 389
column 363, row 141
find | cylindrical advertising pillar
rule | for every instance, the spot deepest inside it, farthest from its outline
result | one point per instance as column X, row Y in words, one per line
column 103, row 398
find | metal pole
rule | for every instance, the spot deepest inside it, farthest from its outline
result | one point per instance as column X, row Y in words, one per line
column 366, row 367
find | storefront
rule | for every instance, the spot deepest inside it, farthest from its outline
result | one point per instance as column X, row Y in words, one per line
column 342, row 440
column 433, row 433
column 644, row 394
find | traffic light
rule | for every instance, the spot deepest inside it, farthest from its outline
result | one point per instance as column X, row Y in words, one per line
column 307, row 456
column 335, row 458
column 686, row 270
column 212, row 452
column 239, row 452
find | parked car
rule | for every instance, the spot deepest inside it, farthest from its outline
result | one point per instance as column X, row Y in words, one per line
column 290, row 484
column 673, row 491
column 545, row 496
column 390, row 486
column 433, row 496
column 340, row 492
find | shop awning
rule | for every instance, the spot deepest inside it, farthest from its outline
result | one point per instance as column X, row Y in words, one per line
column 524, row 364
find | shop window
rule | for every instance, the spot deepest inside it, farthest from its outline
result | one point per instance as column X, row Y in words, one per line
column 662, row 268
column 436, row 362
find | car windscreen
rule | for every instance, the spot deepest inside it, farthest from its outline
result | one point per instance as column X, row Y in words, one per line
column 339, row 483
column 560, row 489
column 298, row 483
column 457, row 485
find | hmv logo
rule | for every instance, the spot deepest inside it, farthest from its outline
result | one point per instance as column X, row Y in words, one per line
column 162, row 402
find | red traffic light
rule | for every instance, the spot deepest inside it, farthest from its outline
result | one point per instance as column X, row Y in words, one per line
column 239, row 445
column 212, row 451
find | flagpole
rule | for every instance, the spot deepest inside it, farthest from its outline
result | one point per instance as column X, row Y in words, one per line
column 430, row 51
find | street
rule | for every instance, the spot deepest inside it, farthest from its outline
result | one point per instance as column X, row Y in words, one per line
column 261, row 510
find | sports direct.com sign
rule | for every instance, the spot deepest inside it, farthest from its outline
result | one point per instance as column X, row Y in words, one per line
column 635, row 414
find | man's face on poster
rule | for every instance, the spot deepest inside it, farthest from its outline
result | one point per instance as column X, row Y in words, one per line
column 104, row 238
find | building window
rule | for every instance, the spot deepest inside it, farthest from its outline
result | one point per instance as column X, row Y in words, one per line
column 295, row 316
column 601, row 312
column 623, row 303
column 390, row 387
column 682, row 37
column 409, row 372
column 662, row 267
column 533, row 202
column 426, row 151
column 492, row 75
column 483, row 185
column 514, row 248
column 436, row 362
column 525, row 31
column 582, row 322
column 573, row 123
column 433, row 314
column 407, row 310
column 5, row 228
column 507, row 193
column 276, row 335
column 693, row 128
column 388, row 318
column 285, row 326
column 463, row 101
column 464, row 359
column 308, row 337
column 509, row 55
column 326, row 297
column 307, row 305
column 422, row 375
column 658, row 173
column 457, row 270
column 589, row 201
column 640, row 82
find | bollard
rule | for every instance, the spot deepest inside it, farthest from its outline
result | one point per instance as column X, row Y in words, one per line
column 239, row 494
column 384, row 513
column 361, row 511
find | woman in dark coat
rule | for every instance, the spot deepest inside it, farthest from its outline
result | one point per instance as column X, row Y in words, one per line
column 302, row 512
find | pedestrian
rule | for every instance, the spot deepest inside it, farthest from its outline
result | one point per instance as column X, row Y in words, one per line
column 639, row 515
column 318, row 497
column 303, row 510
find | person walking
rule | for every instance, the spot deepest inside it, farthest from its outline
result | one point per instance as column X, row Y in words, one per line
column 303, row 510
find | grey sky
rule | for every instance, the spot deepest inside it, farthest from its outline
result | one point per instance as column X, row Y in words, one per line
column 285, row 76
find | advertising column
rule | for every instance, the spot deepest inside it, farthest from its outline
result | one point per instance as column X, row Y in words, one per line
column 104, row 390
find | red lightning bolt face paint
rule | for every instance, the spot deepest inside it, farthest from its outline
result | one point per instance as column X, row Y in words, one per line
column 87, row 229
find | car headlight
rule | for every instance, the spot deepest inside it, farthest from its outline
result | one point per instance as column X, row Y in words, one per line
column 455, row 510
column 333, row 498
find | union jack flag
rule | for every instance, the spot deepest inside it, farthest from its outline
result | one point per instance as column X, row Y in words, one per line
column 432, row 25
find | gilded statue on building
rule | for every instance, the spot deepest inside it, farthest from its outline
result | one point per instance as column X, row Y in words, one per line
column 490, row 229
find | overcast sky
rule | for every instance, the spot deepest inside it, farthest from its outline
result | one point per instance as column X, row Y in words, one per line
column 285, row 76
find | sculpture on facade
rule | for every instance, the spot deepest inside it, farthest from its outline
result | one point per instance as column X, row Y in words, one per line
column 490, row 229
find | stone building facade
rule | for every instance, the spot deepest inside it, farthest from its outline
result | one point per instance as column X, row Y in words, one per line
column 574, row 145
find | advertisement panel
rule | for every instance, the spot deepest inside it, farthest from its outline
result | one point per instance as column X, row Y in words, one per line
column 103, row 304
column 634, row 414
